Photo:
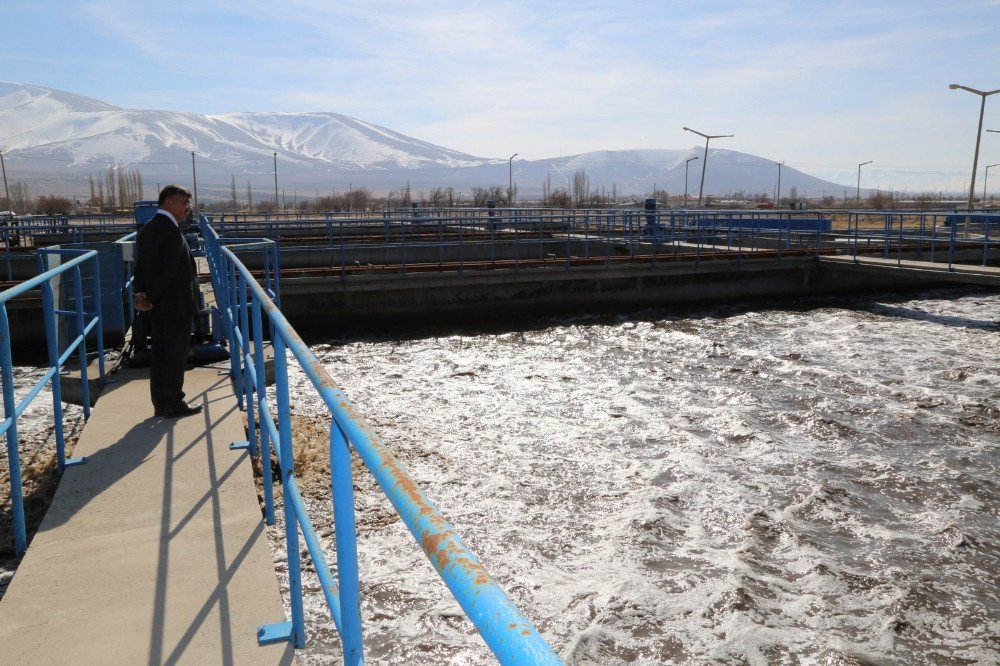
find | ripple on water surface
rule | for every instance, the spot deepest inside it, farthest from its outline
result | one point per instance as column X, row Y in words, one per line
column 814, row 484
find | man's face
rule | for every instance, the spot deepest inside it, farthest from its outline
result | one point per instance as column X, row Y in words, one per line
column 178, row 206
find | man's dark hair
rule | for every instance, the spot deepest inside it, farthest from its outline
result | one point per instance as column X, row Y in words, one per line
column 173, row 191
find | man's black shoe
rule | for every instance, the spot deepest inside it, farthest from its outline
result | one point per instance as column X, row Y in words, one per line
column 182, row 409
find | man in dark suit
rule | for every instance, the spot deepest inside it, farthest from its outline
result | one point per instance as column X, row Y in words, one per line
column 165, row 279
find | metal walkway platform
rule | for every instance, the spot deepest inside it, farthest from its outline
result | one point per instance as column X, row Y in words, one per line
column 154, row 551
column 964, row 273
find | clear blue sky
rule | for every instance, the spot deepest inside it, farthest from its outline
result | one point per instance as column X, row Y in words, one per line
column 821, row 85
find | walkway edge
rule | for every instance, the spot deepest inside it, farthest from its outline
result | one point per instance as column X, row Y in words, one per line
column 154, row 551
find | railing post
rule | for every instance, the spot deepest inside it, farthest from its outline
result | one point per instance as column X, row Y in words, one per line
column 286, row 461
column 232, row 318
column 461, row 249
column 986, row 238
column 13, row 454
column 607, row 239
column 99, row 315
column 857, row 225
column 48, row 310
column 82, row 333
column 246, row 354
column 261, row 387
column 951, row 243
column 347, row 549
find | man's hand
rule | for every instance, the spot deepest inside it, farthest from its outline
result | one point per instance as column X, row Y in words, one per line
column 142, row 302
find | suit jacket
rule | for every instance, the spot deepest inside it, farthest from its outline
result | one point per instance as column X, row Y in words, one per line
column 165, row 269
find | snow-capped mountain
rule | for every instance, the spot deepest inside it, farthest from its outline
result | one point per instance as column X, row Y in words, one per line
column 57, row 139
column 54, row 124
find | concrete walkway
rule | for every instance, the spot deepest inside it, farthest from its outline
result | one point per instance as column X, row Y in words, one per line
column 964, row 273
column 154, row 552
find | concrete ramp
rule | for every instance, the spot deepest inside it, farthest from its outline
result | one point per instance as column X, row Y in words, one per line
column 154, row 552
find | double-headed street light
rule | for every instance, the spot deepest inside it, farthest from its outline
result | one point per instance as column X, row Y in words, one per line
column 687, row 162
column 859, row 180
column 704, row 162
column 979, row 132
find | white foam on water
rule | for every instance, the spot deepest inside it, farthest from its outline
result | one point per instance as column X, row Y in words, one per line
column 809, row 485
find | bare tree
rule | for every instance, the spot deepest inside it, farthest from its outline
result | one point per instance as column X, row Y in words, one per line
column 249, row 196
column 581, row 187
column 925, row 201
column 232, row 194
column 437, row 197
column 54, row 204
column 358, row 199
column 479, row 197
column 110, row 186
column 20, row 196
column 497, row 193
column 560, row 198
column 879, row 201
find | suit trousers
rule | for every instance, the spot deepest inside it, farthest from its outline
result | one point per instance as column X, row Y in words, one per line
column 171, row 344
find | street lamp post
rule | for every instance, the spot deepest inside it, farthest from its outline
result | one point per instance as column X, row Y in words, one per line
column 6, row 191
column 859, row 180
column 777, row 195
column 510, row 180
column 979, row 132
column 704, row 162
column 194, row 178
column 687, row 163
column 276, row 183
column 986, row 175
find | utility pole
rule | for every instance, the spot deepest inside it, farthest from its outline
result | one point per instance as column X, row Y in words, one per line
column 777, row 196
column 6, row 192
column 276, row 182
column 194, row 177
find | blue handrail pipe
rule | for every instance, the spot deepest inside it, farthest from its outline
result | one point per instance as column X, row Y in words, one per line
column 250, row 312
column 83, row 323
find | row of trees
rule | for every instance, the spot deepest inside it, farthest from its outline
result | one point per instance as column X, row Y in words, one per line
column 117, row 188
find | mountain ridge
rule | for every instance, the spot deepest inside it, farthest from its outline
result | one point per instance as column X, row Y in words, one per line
column 58, row 137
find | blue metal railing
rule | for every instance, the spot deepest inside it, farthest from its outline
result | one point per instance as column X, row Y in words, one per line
column 82, row 323
column 950, row 238
column 247, row 308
